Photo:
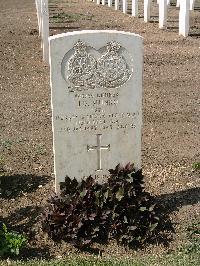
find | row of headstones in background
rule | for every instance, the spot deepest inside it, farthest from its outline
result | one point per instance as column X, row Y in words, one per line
column 185, row 6
column 43, row 25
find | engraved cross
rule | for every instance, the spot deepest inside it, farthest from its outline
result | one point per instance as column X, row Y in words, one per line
column 99, row 148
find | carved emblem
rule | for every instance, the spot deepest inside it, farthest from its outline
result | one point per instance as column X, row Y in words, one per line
column 110, row 70
column 81, row 67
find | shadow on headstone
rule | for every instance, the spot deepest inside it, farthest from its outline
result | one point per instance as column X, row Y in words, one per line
column 15, row 185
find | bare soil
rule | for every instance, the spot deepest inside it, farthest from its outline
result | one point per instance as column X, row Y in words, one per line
column 171, row 128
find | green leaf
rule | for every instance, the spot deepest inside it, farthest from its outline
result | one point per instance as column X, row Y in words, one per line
column 5, row 228
column 152, row 207
column 105, row 196
column 153, row 226
column 132, row 228
column 196, row 166
column 125, row 220
column 142, row 209
column 83, row 193
column 120, row 194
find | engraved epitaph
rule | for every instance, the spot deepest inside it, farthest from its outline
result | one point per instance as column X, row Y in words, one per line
column 96, row 82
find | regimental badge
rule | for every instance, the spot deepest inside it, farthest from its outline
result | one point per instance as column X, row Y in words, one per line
column 85, row 72
column 82, row 68
column 112, row 70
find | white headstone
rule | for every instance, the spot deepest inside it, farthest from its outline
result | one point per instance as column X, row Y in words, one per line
column 184, row 16
column 116, row 4
column 38, row 8
column 110, row 3
column 96, row 81
column 45, row 29
column 103, row 2
column 168, row 2
column 192, row 2
column 147, row 10
column 134, row 8
column 177, row 3
column 162, row 14
column 98, row 2
column 125, row 6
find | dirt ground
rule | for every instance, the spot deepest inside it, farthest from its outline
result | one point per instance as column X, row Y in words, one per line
column 171, row 128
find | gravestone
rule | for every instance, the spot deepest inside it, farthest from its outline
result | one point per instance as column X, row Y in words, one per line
column 96, row 81
column 124, row 6
column 116, row 4
column 147, row 10
column 192, row 2
column 162, row 14
column 110, row 3
column 184, row 16
column 38, row 8
column 45, row 29
column 134, row 8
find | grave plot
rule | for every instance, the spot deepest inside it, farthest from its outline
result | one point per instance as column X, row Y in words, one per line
column 170, row 135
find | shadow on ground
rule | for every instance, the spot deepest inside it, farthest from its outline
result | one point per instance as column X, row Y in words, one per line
column 174, row 201
column 15, row 185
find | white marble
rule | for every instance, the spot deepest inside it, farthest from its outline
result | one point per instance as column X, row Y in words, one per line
column 98, row 2
column 162, row 14
column 184, row 16
column 116, row 4
column 103, row 2
column 41, row 23
column 45, row 29
column 96, row 88
column 124, row 6
column 135, row 8
column 178, row 3
column 110, row 3
column 192, row 2
column 38, row 8
column 147, row 10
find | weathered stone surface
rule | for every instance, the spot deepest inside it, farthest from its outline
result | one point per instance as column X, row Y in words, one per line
column 96, row 80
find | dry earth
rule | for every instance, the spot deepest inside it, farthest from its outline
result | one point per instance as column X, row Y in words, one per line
column 171, row 129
